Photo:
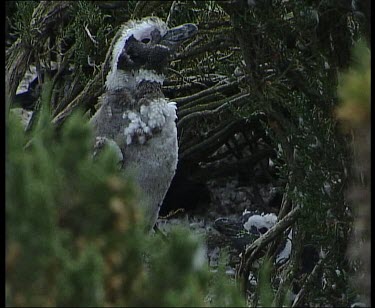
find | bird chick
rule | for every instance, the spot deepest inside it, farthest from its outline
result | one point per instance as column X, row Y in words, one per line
column 134, row 112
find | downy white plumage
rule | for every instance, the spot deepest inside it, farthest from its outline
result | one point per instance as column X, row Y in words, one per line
column 135, row 115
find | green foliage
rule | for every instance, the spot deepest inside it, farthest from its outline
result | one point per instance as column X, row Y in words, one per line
column 82, row 278
column 224, row 291
column 87, row 19
column 354, row 88
column 41, row 181
column 354, row 113
column 23, row 11
column 75, row 236
column 294, row 50
column 176, row 272
column 88, row 236
column 266, row 293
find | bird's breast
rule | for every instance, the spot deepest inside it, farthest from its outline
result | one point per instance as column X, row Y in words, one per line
column 152, row 165
column 148, row 120
column 146, row 133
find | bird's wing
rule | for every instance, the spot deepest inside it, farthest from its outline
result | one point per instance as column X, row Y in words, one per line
column 101, row 142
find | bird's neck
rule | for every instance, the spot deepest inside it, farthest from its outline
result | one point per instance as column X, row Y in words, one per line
column 131, row 80
column 148, row 89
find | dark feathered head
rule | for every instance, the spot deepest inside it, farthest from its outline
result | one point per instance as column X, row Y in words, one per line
column 143, row 50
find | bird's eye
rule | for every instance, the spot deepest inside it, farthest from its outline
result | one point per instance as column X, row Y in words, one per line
column 146, row 40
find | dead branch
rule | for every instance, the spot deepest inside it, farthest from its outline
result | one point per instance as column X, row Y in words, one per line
column 93, row 89
column 219, row 43
column 213, row 24
column 19, row 55
column 182, row 101
column 255, row 248
column 228, row 169
column 211, row 108
column 145, row 8
column 308, row 280
column 287, row 275
column 211, row 143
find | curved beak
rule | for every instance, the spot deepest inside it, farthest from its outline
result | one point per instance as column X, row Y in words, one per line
column 177, row 35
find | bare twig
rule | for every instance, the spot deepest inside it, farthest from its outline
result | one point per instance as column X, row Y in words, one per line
column 212, row 142
column 308, row 280
column 19, row 54
column 225, row 169
column 253, row 250
column 90, row 36
column 92, row 89
column 145, row 8
column 215, row 89
column 287, row 275
column 214, row 45
column 212, row 105
column 171, row 11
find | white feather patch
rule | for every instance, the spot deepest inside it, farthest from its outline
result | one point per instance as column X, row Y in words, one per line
column 149, row 119
column 148, row 75
column 261, row 221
